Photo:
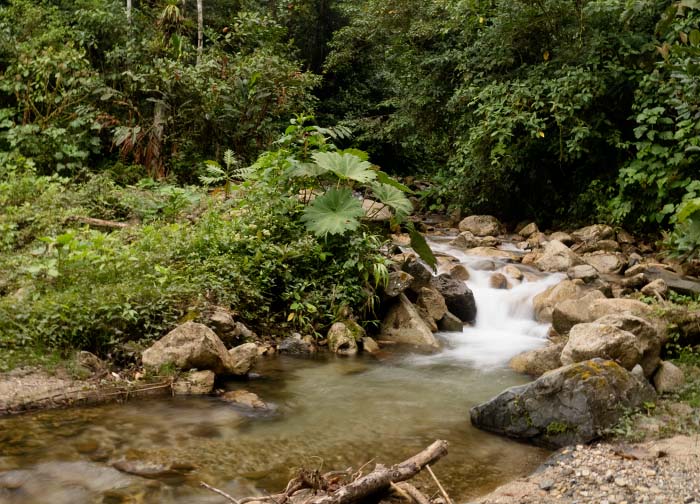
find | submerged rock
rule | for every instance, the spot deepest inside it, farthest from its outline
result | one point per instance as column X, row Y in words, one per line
column 295, row 345
column 194, row 383
column 572, row 404
column 244, row 398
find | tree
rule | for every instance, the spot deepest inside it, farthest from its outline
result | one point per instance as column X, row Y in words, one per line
column 200, row 30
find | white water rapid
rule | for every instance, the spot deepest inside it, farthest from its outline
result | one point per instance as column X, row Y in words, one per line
column 505, row 323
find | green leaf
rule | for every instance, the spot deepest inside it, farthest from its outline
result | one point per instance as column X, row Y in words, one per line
column 694, row 37
column 356, row 152
column 335, row 212
column 299, row 169
column 386, row 179
column 392, row 197
column 421, row 247
column 346, row 166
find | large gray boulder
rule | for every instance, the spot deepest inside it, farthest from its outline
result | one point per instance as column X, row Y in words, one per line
column 481, row 225
column 403, row 324
column 189, row 346
column 572, row 404
column 458, row 297
column 343, row 337
column 556, row 256
column 570, row 312
column 591, row 340
column 648, row 337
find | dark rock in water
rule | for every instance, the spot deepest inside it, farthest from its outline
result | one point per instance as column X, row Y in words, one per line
column 458, row 297
column 572, row 404
column 450, row 323
column 296, row 346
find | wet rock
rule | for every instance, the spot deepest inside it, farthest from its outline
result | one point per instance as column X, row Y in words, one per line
column 458, row 297
column 602, row 307
column 450, row 323
column 498, row 281
column 295, row 345
column 484, row 265
column 492, row 252
column 528, row 230
column 584, row 272
column 431, row 303
column 194, row 383
column 150, row 470
column 556, row 256
column 647, row 334
column 560, row 236
column 458, row 272
column 421, row 273
column 536, row 240
column 604, row 262
column 538, row 361
column 403, row 324
column 189, row 346
column 545, row 301
column 656, row 288
column 513, row 272
column 591, row 340
column 398, row 282
column 467, row 240
column 668, row 378
column 245, row 399
column 572, row 404
column 243, row 358
column 596, row 232
column 369, row 345
column 568, row 313
column 343, row 336
column 481, row 225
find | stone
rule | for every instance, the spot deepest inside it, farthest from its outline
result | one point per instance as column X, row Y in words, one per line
column 432, row 302
column 544, row 302
column 538, row 361
column 484, row 265
column 492, row 252
column 481, row 225
column 635, row 281
column 556, row 256
column 221, row 322
column 91, row 362
column 625, row 238
column 596, row 232
column 398, row 282
column 369, row 345
column 592, row 339
column 668, row 378
column 568, row 313
column 458, row 272
column 189, row 346
column 450, row 323
column 458, row 297
column 403, row 324
column 498, row 281
column 244, row 398
column 243, row 358
column 601, row 307
column 656, row 288
column 648, row 337
column 528, row 230
column 295, row 345
column 572, row 404
column 194, row 383
column 584, row 272
column 343, row 336
column 467, row 240
column 376, row 211
column 536, row 240
column 513, row 272
column 560, row 236
column 600, row 245
column 604, row 262
column 421, row 273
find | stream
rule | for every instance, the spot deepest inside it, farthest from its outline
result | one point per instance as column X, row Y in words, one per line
column 326, row 412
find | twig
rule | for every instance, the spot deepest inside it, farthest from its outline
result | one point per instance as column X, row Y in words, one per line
column 220, row 492
column 413, row 492
column 442, row 490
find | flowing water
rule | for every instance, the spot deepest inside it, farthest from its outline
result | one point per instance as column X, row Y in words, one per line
column 328, row 413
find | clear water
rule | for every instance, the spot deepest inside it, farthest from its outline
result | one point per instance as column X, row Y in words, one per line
column 327, row 412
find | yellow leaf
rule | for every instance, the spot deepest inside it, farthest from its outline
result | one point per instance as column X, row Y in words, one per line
column 545, row 55
column 482, row 20
column 290, row 317
column 540, row 134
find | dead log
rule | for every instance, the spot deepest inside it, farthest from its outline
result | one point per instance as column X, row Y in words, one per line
column 91, row 221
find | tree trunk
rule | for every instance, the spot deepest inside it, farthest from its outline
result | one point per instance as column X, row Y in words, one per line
column 128, row 11
column 200, row 30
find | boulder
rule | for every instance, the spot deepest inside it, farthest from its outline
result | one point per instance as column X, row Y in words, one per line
column 450, row 323
column 231, row 332
column 343, row 336
column 243, row 358
column 528, row 230
column 545, row 301
column 599, row 245
column 596, row 232
column 569, row 405
column 560, row 236
column 458, row 272
column 513, row 272
column 295, row 345
column 467, row 240
column 494, row 253
column 421, row 273
column 601, row 307
column 369, row 345
column 591, row 340
column 568, row 313
column 536, row 240
column 498, row 281
column 634, row 281
column 432, row 303
column 584, row 272
column 656, row 288
column 556, row 256
column 189, row 346
column 481, row 225
column 669, row 378
column 398, row 282
column 604, row 262
column 194, row 383
column 403, row 324
column 647, row 334
column 538, row 361
column 458, row 297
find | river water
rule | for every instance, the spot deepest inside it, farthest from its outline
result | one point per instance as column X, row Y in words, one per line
column 327, row 412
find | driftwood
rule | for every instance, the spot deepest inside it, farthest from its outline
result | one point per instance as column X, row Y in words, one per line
column 91, row 221
column 312, row 487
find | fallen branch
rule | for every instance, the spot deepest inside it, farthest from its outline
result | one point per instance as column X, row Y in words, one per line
column 412, row 492
column 91, row 221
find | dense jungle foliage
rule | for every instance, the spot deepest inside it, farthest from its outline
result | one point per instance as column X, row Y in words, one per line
column 560, row 111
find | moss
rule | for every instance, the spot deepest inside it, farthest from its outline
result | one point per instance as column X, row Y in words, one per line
column 554, row 428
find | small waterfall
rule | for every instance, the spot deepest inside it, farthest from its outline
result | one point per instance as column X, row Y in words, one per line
column 505, row 323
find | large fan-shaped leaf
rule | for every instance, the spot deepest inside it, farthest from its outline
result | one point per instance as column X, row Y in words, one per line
column 393, row 197
column 336, row 212
column 299, row 169
column 346, row 166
